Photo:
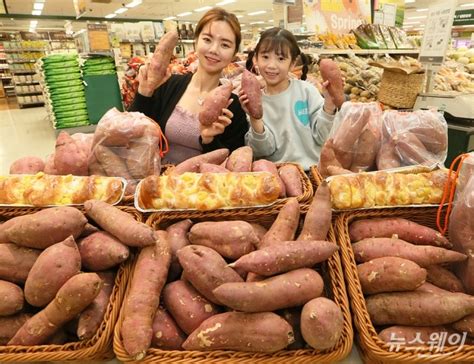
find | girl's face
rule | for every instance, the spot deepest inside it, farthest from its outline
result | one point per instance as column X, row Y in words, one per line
column 215, row 46
column 274, row 67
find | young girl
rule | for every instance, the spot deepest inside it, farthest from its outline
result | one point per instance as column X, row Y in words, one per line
column 175, row 102
column 296, row 118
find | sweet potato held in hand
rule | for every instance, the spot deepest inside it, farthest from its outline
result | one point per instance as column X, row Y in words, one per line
column 251, row 87
column 330, row 72
column 215, row 101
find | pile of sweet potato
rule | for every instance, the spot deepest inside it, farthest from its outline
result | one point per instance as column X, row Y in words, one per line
column 234, row 285
column 405, row 272
column 57, row 271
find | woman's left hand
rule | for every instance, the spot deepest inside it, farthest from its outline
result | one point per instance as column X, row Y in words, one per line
column 216, row 128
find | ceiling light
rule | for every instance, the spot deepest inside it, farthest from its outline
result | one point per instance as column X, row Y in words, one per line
column 33, row 23
column 186, row 13
column 416, row 17
column 411, row 22
column 409, row 1
column 204, row 8
column 423, row 9
column 467, row 5
column 257, row 22
column 225, row 2
column 113, row 15
column 169, row 18
column 121, row 10
column 239, row 16
column 38, row 6
column 257, row 12
column 271, row 21
column 133, row 3
column 36, row 12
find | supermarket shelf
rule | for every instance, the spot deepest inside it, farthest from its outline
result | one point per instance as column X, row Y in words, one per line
column 25, row 72
column 29, row 93
column 87, row 129
column 21, row 50
column 21, row 61
column 360, row 51
column 7, row 87
column 6, row 78
column 27, row 83
column 39, row 103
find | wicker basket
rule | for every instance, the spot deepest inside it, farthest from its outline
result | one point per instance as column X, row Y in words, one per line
column 400, row 90
column 315, row 177
column 98, row 347
column 376, row 350
column 332, row 273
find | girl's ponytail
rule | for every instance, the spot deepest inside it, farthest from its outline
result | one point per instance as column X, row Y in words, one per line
column 304, row 62
column 249, row 64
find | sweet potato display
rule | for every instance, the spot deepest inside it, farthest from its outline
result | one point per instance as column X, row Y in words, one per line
column 212, row 168
column 101, row 251
column 328, row 158
column 27, row 165
column 318, row 218
column 231, row 239
column 166, row 333
column 411, row 335
column 12, row 299
column 215, row 101
column 430, row 288
column 290, row 289
column 322, row 323
column 188, row 308
column 16, row 262
column 193, row 164
column 3, row 228
column 403, row 229
column 162, row 55
column 264, row 332
column 120, row 224
column 365, row 150
column 62, row 261
column 466, row 324
column 330, row 72
column 390, row 274
column 259, row 230
column 293, row 317
column 290, row 175
column 263, row 165
column 111, row 163
column 388, row 157
column 69, row 158
column 412, row 150
column 72, row 298
column 418, row 308
column 143, row 298
column 443, row 278
column 177, row 238
column 423, row 255
column 9, row 325
column 91, row 318
column 251, row 86
column 284, row 256
column 240, row 160
column 46, row 227
column 285, row 225
column 140, row 157
column 206, row 269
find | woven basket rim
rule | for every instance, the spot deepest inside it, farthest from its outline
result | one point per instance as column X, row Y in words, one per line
column 100, row 345
column 400, row 90
column 338, row 289
column 375, row 348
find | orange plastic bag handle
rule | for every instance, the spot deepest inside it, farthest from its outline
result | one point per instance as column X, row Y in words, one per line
column 448, row 193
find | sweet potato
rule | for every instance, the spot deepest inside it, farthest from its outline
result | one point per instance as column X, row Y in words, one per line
column 290, row 289
column 365, row 150
column 240, row 160
column 16, row 262
column 49, row 167
column 206, row 269
column 403, row 229
column 418, row 308
column 47, row 227
column 212, row 168
column 284, row 256
column 285, row 225
column 259, row 230
column 433, row 137
column 264, row 332
column 177, row 238
column 139, row 158
column 193, row 164
column 330, row 72
column 9, row 325
column 69, row 158
column 293, row 317
column 231, row 239
column 388, row 157
column 112, row 164
column 263, row 165
column 187, row 306
column 143, row 299
column 443, row 278
column 322, row 323
column 318, row 218
column 27, row 165
column 101, row 251
column 91, row 318
column 215, row 101
column 63, row 261
column 88, row 230
column 12, row 298
column 412, row 150
column 166, row 333
column 411, row 335
column 120, row 224
column 251, row 87
column 336, row 171
column 290, row 175
column 3, row 228
column 430, row 288
column 466, row 324
column 163, row 53
column 72, row 298
column 390, row 274
column 423, row 255
column 328, row 158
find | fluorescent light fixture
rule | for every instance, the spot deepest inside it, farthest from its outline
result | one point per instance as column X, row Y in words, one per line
column 416, row 17
column 32, row 30
column 225, row 2
column 170, row 18
column 271, row 21
column 239, row 16
column 33, row 23
column 270, row 27
column 411, row 22
column 204, row 8
column 110, row 16
column 121, row 10
column 467, row 5
column 257, row 12
column 134, row 3
column 36, row 12
column 257, row 22
column 409, row 1
column 423, row 9
column 38, row 6
column 186, row 13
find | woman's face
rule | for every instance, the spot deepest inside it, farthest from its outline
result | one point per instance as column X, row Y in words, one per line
column 215, row 46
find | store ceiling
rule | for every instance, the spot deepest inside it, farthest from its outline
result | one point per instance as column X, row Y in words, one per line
column 160, row 9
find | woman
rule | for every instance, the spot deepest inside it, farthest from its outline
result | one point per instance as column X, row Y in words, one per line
column 175, row 103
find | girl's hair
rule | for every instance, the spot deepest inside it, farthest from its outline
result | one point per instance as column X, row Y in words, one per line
column 219, row 14
column 282, row 42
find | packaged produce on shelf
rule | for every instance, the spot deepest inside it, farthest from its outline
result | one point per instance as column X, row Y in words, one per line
column 337, row 41
column 453, row 77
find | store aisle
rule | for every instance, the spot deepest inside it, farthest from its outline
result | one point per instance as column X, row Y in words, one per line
column 24, row 132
